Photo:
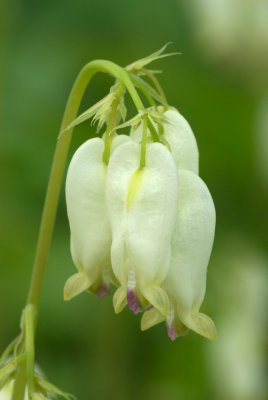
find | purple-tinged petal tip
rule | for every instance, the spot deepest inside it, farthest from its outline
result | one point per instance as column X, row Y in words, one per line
column 132, row 301
column 172, row 332
column 103, row 291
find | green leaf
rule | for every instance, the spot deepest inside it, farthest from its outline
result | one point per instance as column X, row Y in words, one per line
column 146, row 88
column 153, row 131
column 131, row 122
column 152, row 71
column 122, row 109
column 137, row 65
column 8, row 350
column 90, row 112
column 19, row 346
column 138, row 82
column 53, row 390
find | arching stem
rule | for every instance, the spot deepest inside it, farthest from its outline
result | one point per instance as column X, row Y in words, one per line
column 54, row 186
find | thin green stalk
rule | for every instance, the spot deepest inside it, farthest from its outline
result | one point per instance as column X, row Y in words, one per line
column 110, row 126
column 20, row 383
column 54, row 186
column 156, row 83
column 143, row 142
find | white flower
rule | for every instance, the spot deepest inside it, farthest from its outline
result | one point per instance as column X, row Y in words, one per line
column 142, row 205
column 190, row 251
column 89, row 224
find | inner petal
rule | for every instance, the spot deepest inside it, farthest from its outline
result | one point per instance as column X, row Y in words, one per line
column 132, row 301
column 103, row 291
column 172, row 331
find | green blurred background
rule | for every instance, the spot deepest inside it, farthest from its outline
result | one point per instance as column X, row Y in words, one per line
column 220, row 84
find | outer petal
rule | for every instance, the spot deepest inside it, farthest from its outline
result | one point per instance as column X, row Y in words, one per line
column 87, row 212
column 142, row 206
column 118, row 141
column 181, row 139
column 191, row 247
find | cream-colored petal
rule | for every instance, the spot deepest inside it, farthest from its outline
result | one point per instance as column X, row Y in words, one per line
column 180, row 137
column 123, row 163
column 182, row 141
column 151, row 318
column 190, row 251
column 142, row 208
column 118, row 141
column 76, row 284
column 120, row 299
column 87, row 210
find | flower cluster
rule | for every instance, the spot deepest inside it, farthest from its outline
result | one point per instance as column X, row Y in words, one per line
column 146, row 227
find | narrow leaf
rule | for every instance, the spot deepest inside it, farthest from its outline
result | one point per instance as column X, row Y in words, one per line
column 53, row 390
column 131, row 122
column 136, row 65
column 88, row 113
column 8, row 350
column 153, row 131
column 146, row 88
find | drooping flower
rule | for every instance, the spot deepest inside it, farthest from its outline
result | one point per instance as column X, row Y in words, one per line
column 142, row 206
column 89, row 224
column 191, row 246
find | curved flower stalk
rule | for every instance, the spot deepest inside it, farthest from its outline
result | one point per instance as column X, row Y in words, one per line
column 191, row 246
column 180, row 138
column 142, row 205
column 87, row 212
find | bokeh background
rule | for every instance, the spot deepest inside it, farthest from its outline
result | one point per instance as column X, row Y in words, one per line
column 220, row 84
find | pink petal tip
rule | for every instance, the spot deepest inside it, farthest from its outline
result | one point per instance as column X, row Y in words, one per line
column 103, row 291
column 172, row 332
column 132, row 301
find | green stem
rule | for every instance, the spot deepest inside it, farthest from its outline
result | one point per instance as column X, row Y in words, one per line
column 156, row 83
column 20, row 383
column 110, row 126
column 54, row 185
column 143, row 142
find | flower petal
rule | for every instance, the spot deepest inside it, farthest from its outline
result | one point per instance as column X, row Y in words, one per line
column 151, row 318
column 76, row 284
column 142, row 206
column 180, row 137
column 190, row 251
column 87, row 212
column 118, row 141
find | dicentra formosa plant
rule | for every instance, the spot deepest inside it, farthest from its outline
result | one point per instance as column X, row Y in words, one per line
column 140, row 216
